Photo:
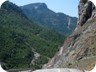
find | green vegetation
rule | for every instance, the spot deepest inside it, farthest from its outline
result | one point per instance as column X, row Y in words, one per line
column 39, row 62
column 48, row 18
column 18, row 36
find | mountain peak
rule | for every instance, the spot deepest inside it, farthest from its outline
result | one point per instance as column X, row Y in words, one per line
column 40, row 5
column 10, row 6
column 37, row 5
column 48, row 18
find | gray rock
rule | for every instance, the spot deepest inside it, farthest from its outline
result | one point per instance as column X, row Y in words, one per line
column 85, row 10
column 79, row 49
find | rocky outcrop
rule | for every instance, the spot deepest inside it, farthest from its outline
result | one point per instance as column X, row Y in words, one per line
column 79, row 49
column 85, row 10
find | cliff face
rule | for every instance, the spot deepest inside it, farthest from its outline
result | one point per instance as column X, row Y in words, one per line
column 79, row 49
column 85, row 9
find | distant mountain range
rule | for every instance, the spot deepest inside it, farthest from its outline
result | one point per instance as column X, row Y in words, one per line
column 59, row 22
column 23, row 43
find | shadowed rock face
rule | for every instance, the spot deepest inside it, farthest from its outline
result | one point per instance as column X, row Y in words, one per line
column 85, row 10
column 83, row 1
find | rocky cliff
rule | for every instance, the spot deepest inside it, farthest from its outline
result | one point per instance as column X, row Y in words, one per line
column 85, row 11
column 79, row 49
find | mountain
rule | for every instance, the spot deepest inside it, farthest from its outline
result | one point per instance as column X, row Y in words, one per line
column 59, row 22
column 23, row 43
column 79, row 49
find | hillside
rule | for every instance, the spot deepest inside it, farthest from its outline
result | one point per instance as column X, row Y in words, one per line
column 79, row 49
column 23, row 43
column 59, row 22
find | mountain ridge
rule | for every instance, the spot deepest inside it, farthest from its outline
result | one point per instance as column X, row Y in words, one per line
column 24, row 44
column 48, row 18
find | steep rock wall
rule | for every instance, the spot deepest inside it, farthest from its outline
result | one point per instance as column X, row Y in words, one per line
column 86, row 9
column 79, row 49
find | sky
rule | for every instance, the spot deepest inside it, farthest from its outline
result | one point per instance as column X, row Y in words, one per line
column 69, row 7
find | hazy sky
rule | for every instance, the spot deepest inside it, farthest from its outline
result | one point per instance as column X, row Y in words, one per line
column 69, row 7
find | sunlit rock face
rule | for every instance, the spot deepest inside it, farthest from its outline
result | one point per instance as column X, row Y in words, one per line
column 2, row 1
column 79, row 49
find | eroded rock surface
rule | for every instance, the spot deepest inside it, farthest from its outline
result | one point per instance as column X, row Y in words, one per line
column 85, row 9
column 79, row 49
